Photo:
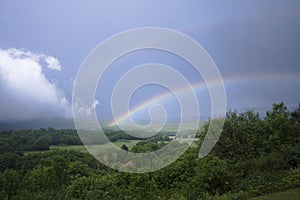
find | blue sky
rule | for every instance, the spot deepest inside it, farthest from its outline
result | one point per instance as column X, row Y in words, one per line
column 255, row 40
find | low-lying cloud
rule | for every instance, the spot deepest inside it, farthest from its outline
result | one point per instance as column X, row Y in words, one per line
column 25, row 92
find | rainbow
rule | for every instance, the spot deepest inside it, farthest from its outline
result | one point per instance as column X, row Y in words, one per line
column 159, row 98
column 200, row 86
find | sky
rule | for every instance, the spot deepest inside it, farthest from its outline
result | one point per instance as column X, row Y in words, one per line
column 254, row 43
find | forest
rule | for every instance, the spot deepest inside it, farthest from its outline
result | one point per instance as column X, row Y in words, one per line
column 255, row 155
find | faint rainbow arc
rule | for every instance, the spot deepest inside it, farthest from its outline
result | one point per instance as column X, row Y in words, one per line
column 147, row 103
column 198, row 86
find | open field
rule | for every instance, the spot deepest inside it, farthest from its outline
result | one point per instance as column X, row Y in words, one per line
column 293, row 194
column 129, row 143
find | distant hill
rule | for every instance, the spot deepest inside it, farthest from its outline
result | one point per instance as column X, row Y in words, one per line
column 58, row 123
column 63, row 123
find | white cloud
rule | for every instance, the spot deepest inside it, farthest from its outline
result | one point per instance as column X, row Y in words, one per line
column 84, row 111
column 96, row 102
column 50, row 61
column 25, row 92
column 53, row 63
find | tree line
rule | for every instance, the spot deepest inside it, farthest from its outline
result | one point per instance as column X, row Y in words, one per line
column 254, row 155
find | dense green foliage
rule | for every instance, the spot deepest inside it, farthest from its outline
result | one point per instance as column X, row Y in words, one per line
column 292, row 194
column 36, row 140
column 253, row 156
column 42, row 139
